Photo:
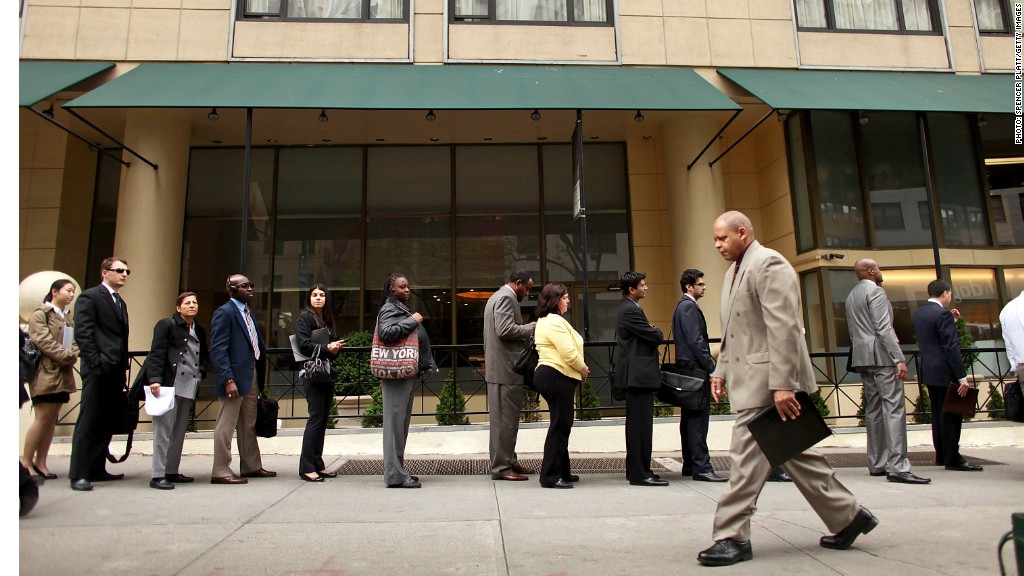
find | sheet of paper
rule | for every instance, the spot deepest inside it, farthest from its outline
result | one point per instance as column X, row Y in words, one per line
column 157, row 405
column 69, row 337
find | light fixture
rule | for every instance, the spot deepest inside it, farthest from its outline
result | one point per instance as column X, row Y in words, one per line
column 862, row 118
column 535, row 115
column 434, row 139
column 323, row 115
column 217, row 141
column 781, row 116
column 431, row 116
column 982, row 121
column 49, row 111
column 271, row 140
column 379, row 139
column 213, row 116
column 639, row 116
column 832, row 256
column 542, row 138
column 325, row 140
column 488, row 138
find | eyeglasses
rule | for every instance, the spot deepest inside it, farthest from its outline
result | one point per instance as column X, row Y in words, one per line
column 701, row 284
column 124, row 271
column 247, row 286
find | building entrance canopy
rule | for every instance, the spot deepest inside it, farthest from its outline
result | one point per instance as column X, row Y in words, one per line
column 40, row 80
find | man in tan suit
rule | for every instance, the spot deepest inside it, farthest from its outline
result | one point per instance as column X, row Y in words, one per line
column 760, row 332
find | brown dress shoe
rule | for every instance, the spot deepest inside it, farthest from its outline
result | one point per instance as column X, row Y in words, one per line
column 520, row 469
column 228, row 480
column 511, row 475
column 261, row 473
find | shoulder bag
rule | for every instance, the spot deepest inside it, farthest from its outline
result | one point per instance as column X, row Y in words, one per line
column 318, row 369
column 526, row 364
column 397, row 360
column 1014, row 402
column 266, row 416
column 683, row 385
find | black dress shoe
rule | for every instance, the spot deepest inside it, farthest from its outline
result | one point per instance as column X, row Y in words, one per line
column 965, row 467
column 161, row 484
column 572, row 478
column 327, row 474
column 179, row 478
column 106, row 477
column 559, row 484
column 317, row 478
column 47, row 475
column 81, row 485
column 882, row 473
column 709, row 477
column 410, row 483
column 780, row 477
column 862, row 523
column 652, row 481
column 726, row 553
column 906, row 478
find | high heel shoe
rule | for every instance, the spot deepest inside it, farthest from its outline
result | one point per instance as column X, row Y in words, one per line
column 313, row 479
column 327, row 474
column 47, row 475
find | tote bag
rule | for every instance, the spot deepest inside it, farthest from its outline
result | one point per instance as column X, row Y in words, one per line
column 397, row 360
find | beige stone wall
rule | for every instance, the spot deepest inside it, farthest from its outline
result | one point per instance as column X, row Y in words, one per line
column 319, row 40
column 41, row 157
column 873, row 50
column 531, row 43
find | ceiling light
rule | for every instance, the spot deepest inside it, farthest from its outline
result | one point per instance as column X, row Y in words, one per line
column 982, row 121
column 49, row 111
column 431, row 116
column 271, row 140
column 1004, row 161
column 323, row 115
column 639, row 116
column 535, row 116
column 213, row 116
column 434, row 139
column 862, row 118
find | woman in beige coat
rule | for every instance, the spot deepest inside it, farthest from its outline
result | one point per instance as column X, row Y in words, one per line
column 55, row 378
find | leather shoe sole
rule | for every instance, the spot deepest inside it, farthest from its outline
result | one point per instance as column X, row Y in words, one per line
column 410, row 483
column 107, row 477
column 559, row 484
column 228, row 480
column 862, row 523
column 512, row 475
column 327, row 474
column 161, row 484
column 906, row 478
column 726, row 553
column 648, row 482
column 709, row 477
column 316, row 478
column 261, row 473
column 572, row 478
column 179, row 478
column 965, row 467
column 81, row 485
column 882, row 473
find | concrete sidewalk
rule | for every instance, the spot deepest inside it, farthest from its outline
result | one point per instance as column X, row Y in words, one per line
column 472, row 525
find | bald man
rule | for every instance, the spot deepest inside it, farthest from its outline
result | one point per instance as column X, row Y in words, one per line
column 876, row 356
column 764, row 359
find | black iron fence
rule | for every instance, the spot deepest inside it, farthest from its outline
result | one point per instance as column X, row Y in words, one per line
column 464, row 365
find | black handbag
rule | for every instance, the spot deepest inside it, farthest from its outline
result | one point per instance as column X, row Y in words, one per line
column 318, row 369
column 526, row 363
column 684, row 385
column 266, row 416
column 1013, row 399
column 123, row 418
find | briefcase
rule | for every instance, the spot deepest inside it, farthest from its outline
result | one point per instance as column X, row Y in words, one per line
column 684, row 387
column 966, row 406
column 780, row 440
column 266, row 417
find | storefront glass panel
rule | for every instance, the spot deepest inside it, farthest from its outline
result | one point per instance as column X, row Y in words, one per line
column 842, row 206
column 962, row 205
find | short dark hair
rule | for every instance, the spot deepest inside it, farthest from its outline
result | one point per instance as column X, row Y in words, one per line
column 937, row 288
column 519, row 276
column 109, row 261
column 182, row 296
column 57, row 286
column 689, row 278
column 630, row 280
column 547, row 303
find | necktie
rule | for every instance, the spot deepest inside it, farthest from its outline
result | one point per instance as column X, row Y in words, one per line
column 120, row 305
column 252, row 334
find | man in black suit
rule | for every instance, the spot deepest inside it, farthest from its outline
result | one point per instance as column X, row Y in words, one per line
column 101, row 331
column 690, row 335
column 941, row 364
column 638, row 375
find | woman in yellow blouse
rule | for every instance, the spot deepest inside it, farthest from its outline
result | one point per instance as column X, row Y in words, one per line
column 559, row 369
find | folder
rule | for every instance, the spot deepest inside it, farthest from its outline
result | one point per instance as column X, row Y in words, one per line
column 320, row 336
column 780, row 440
column 965, row 406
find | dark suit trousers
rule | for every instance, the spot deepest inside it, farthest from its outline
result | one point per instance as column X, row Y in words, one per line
column 693, row 436
column 558, row 390
column 319, row 399
column 945, row 429
column 639, row 432
column 89, row 444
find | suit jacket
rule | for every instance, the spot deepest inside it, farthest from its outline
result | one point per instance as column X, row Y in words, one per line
column 504, row 333
column 636, row 362
column 231, row 350
column 101, row 332
column 869, row 316
column 941, row 362
column 763, row 347
column 690, row 335
column 170, row 342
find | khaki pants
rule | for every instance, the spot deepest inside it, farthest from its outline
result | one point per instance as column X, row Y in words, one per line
column 236, row 414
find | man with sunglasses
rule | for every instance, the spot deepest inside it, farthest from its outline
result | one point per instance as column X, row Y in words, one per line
column 101, row 331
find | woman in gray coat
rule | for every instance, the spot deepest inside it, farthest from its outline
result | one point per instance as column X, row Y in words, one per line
column 394, row 322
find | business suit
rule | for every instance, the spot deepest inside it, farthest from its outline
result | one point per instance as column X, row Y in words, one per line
column 101, row 333
column 690, row 335
column 504, row 333
column 763, row 350
column 940, row 364
column 875, row 355
column 233, row 358
column 638, row 371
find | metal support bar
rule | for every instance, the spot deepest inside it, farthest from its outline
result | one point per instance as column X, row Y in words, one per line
column 713, row 138
column 929, row 189
column 745, row 134
column 101, row 131
column 77, row 135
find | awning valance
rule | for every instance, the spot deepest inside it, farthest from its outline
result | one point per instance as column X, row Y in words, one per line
column 406, row 87
column 877, row 91
column 40, row 80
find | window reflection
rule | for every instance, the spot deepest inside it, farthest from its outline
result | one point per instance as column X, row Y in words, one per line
column 842, row 207
column 963, row 210
column 976, row 297
column 896, row 179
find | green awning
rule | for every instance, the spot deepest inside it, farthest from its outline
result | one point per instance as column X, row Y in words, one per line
column 406, row 87
column 879, row 91
column 40, row 80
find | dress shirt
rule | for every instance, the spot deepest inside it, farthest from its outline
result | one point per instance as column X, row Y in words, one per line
column 1012, row 321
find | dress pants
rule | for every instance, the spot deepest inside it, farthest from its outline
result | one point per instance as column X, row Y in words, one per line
column 558, row 390
column 397, row 398
column 319, row 399
column 885, row 419
column 237, row 414
column 504, row 404
column 169, row 436
column 693, row 438
column 91, row 439
column 813, row 476
column 639, row 432
column 945, row 429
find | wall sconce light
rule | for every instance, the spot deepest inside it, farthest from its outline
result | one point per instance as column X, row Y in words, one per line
column 323, row 115
column 781, row 116
column 832, row 256
column 639, row 116
column 49, row 111
column 982, row 121
column 213, row 116
column 431, row 116
column 862, row 118
column 535, row 115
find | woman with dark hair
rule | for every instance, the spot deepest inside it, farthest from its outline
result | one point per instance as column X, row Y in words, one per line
column 317, row 315
column 560, row 367
column 176, row 363
column 394, row 322
column 54, row 380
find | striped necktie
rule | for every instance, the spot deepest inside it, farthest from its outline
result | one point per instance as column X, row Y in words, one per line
column 252, row 334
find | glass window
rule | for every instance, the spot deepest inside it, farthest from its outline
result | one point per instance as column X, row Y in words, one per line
column 104, row 217
column 963, row 208
column 976, row 297
column 798, row 175
column 1004, row 173
column 814, row 315
column 895, row 179
column 842, row 206
column 881, row 15
column 992, row 16
column 1014, row 282
column 325, row 9
column 557, row 11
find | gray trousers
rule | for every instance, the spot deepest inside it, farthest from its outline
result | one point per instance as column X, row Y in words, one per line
column 885, row 418
column 169, row 436
column 813, row 476
column 504, row 404
column 397, row 398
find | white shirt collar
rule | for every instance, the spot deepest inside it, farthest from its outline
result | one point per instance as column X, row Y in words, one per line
column 59, row 312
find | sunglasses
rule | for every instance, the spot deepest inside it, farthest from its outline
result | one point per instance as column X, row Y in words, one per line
column 124, row 271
